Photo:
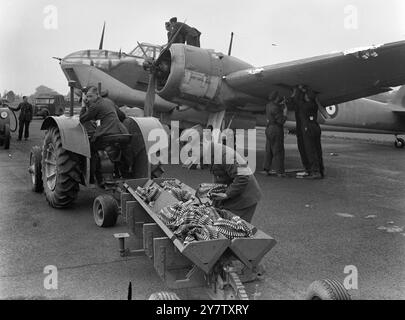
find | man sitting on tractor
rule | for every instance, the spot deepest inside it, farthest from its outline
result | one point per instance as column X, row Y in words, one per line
column 110, row 116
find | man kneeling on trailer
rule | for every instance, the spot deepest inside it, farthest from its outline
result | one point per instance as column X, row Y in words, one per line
column 110, row 116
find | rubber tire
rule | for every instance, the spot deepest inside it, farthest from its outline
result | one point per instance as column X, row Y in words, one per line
column 327, row 290
column 399, row 143
column 36, row 159
column 163, row 295
column 68, row 172
column 109, row 207
column 7, row 136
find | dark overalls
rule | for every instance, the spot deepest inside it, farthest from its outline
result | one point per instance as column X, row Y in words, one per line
column 243, row 190
column 187, row 34
column 311, row 133
column 275, row 138
column 24, row 119
column 295, row 105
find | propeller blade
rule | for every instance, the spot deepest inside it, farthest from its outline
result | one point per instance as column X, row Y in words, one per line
column 100, row 47
column 151, row 92
column 150, row 95
column 129, row 291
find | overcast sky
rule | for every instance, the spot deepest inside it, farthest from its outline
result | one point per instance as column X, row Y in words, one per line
column 32, row 31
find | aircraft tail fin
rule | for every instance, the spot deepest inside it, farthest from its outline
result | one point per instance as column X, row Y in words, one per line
column 399, row 98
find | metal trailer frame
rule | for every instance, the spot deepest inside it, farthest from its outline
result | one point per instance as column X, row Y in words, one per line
column 205, row 264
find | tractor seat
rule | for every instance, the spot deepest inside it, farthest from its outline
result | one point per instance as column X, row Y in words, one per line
column 121, row 140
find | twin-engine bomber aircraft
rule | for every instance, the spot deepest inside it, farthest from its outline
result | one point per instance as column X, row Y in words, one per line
column 369, row 116
column 196, row 85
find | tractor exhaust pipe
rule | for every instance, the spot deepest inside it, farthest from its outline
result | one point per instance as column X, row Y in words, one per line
column 72, row 96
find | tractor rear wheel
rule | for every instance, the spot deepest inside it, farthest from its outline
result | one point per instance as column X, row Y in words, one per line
column 7, row 136
column 35, row 169
column 327, row 290
column 105, row 211
column 60, row 171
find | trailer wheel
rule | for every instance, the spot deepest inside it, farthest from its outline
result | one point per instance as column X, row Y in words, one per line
column 327, row 290
column 163, row 295
column 105, row 211
column 60, row 171
column 7, row 136
column 35, row 169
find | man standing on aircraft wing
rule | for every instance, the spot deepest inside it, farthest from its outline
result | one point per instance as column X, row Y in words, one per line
column 276, row 113
column 187, row 34
column 168, row 27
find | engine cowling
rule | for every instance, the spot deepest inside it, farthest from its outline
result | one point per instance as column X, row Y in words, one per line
column 193, row 76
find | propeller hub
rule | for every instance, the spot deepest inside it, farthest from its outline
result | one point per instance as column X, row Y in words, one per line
column 148, row 65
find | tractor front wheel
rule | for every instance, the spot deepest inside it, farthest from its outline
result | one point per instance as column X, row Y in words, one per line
column 105, row 211
column 60, row 171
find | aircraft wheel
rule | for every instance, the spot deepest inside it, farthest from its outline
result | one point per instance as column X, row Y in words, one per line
column 35, row 169
column 399, row 143
column 163, row 295
column 7, row 136
column 105, row 211
column 61, row 171
column 327, row 290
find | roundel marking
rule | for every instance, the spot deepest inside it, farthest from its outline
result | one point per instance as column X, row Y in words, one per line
column 332, row 110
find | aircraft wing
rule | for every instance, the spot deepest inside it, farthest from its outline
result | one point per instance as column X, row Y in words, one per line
column 338, row 77
column 399, row 112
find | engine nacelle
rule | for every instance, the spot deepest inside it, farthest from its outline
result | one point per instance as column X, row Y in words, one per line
column 195, row 76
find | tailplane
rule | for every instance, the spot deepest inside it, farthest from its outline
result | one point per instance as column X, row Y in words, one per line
column 399, row 98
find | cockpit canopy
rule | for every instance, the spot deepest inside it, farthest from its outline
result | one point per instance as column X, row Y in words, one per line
column 86, row 56
column 92, row 54
column 151, row 50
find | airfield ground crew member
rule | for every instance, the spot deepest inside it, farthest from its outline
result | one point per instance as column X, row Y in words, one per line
column 187, row 34
column 105, row 110
column 294, row 102
column 311, row 133
column 168, row 27
column 276, row 113
column 25, row 118
column 243, row 192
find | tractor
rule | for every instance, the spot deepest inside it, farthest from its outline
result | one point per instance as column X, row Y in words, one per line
column 63, row 163
column 5, row 132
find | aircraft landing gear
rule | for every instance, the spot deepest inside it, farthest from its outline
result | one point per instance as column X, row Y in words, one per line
column 399, row 143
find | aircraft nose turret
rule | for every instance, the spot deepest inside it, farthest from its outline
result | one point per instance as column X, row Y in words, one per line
column 99, row 58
